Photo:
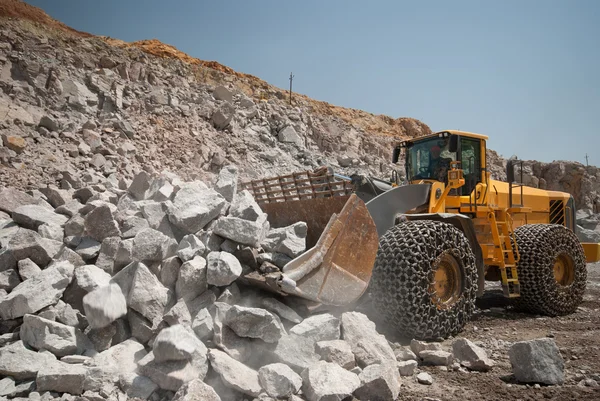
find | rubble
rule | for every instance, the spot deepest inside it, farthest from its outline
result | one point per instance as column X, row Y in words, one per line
column 407, row 368
column 404, row 354
column 425, row 378
column 436, row 358
column 471, row 356
column 417, row 347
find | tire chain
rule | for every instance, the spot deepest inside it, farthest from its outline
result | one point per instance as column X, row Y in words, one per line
column 403, row 272
column 539, row 245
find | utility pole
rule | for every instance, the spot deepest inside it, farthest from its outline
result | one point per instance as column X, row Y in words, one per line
column 291, row 78
column 587, row 160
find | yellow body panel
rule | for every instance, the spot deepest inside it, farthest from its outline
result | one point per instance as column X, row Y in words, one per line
column 592, row 252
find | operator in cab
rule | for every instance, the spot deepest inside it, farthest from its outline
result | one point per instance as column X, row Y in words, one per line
column 438, row 166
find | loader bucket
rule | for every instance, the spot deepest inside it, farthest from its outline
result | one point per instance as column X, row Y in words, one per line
column 342, row 244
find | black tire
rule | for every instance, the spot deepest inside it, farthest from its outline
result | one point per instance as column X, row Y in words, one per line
column 409, row 255
column 540, row 247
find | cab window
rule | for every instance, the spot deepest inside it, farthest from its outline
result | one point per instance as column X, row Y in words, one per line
column 470, row 155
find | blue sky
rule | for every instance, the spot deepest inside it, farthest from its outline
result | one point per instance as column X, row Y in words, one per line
column 526, row 73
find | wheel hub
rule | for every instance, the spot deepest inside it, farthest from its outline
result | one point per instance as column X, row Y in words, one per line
column 446, row 287
column 564, row 270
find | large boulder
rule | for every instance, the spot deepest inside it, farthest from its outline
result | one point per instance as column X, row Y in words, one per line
column 379, row 382
column 281, row 309
column 279, row 380
column 150, row 245
column 176, row 343
column 27, row 244
column 239, row 348
column 58, row 338
column 22, row 363
column 243, row 231
column 147, row 295
column 222, row 268
column 328, row 381
column 11, row 199
column 104, row 305
column 61, row 377
column 369, row 347
column 235, row 374
column 336, row 351
column 244, row 206
column 194, row 206
column 254, row 323
column 537, row 361
column 196, row 390
column 226, row 183
column 100, row 223
column 290, row 240
column 108, row 366
column 33, row 216
column 171, row 375
column 190, row 246
column 322, row 327
column 295, row 351
column 44, row 289
column 191, row 281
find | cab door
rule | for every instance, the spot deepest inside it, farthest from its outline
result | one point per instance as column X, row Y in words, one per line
column 470, row 161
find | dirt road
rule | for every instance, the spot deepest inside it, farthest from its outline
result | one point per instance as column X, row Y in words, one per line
column 496, row 328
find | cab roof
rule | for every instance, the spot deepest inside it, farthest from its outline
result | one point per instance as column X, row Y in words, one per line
column 462, row 133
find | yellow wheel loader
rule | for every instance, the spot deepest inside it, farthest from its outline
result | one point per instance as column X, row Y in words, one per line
column 425, row 247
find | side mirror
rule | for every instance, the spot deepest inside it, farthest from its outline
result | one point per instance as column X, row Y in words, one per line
column 396, row 155
column 453, row 145
column 510, row 171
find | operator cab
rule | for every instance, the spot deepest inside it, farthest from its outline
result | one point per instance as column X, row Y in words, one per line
column 429, row 158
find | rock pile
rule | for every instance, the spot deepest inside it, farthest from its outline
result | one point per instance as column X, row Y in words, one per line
column 136, row 289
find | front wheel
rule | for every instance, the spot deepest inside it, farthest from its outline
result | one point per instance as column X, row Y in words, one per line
column 552, row 269
column 424, row 281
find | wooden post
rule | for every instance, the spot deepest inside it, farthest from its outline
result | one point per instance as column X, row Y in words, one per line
column 291, row 78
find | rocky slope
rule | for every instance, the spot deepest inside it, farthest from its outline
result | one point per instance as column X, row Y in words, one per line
column 80, row 104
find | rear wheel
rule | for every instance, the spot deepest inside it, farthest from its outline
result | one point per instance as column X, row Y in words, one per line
column 424, row 281
column 552, row 269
